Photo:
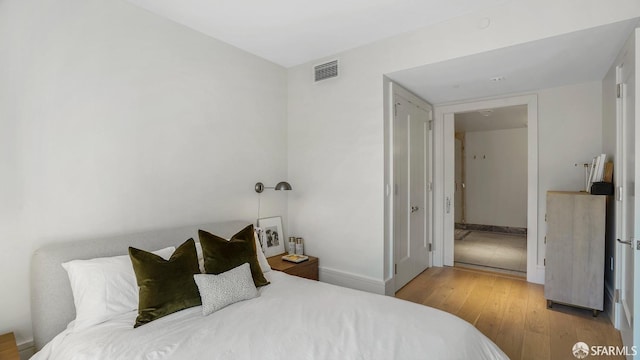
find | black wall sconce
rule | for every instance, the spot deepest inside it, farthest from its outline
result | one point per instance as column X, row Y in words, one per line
column 282, row 185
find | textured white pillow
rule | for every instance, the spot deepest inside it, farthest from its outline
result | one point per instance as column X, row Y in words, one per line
column 104, row 287
column 262, row 260
column 218, row 291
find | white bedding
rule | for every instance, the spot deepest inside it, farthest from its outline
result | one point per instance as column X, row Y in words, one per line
column 293, row 318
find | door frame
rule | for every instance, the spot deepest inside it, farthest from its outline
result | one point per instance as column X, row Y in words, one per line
column 389, row 89
column 444, row 187
column 636, row 235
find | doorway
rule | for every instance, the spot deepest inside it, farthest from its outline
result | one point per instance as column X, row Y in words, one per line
column 444, row 153
column 490, row 189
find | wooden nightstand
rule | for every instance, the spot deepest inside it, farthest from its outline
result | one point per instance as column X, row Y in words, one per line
column 306, row 269
column 8, row 347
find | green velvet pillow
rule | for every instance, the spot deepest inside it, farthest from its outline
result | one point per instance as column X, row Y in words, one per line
column 166, row 286
column 222, row 255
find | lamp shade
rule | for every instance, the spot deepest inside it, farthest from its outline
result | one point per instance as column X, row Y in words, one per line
column 283, row 185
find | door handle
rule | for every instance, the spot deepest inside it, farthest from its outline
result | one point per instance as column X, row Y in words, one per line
column 630, row 242
column 414, row 209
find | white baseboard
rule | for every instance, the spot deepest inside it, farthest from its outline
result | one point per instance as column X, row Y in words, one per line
column 390, row 287
column 353, row 281
column 26, row 349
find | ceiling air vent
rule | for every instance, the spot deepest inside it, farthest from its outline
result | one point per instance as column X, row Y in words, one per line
column 326, row 71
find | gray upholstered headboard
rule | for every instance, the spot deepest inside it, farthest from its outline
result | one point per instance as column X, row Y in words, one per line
column 51, row 299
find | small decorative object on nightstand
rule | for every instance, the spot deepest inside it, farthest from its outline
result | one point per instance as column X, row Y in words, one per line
column 306, row 269
column 8, row 347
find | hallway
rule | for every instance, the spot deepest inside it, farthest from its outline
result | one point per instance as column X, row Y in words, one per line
column 490, row 251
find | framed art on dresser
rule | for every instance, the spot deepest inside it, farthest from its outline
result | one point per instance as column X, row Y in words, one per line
column 272, row 235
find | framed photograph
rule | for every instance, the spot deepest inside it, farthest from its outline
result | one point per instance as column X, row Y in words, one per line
column 272, row 235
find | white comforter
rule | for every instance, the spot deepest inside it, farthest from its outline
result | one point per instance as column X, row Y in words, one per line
column 293, row 318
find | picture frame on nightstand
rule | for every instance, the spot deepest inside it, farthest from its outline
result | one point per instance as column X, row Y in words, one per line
column 272, row 235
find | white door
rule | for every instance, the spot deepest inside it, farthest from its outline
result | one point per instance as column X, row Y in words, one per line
column 410, row 189
column 628, row 207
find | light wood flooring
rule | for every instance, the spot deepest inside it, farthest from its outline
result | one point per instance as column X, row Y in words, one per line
column 511, row 312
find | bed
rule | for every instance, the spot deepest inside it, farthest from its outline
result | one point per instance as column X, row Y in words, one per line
column 291, row 318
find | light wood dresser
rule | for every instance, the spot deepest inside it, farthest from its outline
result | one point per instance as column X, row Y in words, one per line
column 574, row 272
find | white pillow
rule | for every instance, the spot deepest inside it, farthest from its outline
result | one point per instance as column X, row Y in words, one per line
column 104, row 287
column 262, row 260
column 200, row 257
column 218, row 291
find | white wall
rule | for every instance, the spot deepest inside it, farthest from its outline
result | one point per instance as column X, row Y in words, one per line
column 570, row 128
column 336, row 138
column 114, row 120
column 496, row 177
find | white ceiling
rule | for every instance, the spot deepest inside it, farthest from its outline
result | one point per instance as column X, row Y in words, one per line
column 508, row 117
column 562, row 60
column 292, row 32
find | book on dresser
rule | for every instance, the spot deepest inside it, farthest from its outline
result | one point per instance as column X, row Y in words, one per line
column 294, row 258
